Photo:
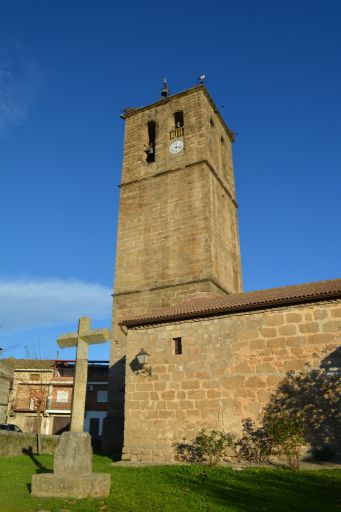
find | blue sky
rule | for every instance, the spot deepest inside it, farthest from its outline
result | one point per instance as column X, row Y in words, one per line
column 68, row 67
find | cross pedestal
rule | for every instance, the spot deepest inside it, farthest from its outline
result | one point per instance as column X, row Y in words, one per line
column 72, row 476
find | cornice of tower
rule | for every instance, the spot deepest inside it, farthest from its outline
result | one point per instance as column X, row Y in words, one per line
column 201, row 87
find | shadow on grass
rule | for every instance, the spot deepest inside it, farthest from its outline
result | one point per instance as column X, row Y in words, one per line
column 40, row 467
column 268, row 490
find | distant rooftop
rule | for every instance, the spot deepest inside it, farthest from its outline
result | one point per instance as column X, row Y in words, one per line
column 44, row 364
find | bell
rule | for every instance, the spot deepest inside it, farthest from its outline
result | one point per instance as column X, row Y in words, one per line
column 149, row 150
column 164, row 91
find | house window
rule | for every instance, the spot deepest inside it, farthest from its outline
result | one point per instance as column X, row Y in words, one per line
column 34, row 376
column 102, row 395
column 177, row 346
column 62, row 397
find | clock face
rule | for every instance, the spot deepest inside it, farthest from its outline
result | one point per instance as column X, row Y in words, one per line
column 176, row 147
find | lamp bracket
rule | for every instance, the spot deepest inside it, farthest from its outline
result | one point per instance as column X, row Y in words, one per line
column 145, row 371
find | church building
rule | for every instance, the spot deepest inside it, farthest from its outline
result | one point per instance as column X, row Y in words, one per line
column 190, row 349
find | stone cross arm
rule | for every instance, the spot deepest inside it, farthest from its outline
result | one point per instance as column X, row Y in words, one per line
column 72, row 339
column 81, row 339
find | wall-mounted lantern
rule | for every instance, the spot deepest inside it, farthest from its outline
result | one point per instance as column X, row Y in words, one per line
column 142, row 359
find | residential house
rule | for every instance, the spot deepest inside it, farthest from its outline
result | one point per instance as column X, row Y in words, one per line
column 46, row 386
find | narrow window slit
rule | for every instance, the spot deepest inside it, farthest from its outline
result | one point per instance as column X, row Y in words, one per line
column 177, row 346
column 150, row 149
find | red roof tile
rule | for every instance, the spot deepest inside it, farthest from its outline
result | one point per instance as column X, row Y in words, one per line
column 220, row 304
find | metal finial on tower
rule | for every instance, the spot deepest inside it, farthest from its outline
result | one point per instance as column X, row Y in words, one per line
column 164, row 91
column 202, row 79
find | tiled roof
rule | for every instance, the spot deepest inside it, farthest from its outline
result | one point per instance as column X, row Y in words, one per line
column 36, row 364
column 220, row 304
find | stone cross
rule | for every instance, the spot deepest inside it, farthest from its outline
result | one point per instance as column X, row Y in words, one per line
column 81, row 339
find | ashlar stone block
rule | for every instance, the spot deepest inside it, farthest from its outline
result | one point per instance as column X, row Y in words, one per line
column 73, row 454
column 94, row 485
column 72, row 475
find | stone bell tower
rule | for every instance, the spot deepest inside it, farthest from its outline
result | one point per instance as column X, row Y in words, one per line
column 178, row 228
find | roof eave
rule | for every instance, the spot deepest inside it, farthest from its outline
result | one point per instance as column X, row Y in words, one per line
column 230, row 310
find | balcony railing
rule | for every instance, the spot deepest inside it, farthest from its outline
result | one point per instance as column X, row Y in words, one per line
column 176, row 131
column 30, row 405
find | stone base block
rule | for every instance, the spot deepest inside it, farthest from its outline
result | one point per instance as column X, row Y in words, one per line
column 94, row 485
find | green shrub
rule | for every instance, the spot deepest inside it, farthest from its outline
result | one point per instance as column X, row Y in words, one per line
column 255, row 445
column 208, row 447
column 288, row 436
column 281, row 434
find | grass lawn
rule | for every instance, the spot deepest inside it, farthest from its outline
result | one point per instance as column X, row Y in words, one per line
column 179, row 488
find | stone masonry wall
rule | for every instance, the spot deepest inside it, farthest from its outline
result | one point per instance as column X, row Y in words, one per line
column 163, row 233
column 129, row 305
column 228, row 370
column 14, row 443
column 205, row 137
column 224, row 239
column 178, row 230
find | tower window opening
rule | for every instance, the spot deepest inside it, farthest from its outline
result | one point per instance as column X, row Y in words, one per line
column 179, row 119
column 211, row 122
column 150, row 149
column 178, row 128
column 177, row 346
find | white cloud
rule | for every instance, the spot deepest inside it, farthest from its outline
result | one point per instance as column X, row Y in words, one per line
column 20, row 82
column 34, row 303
